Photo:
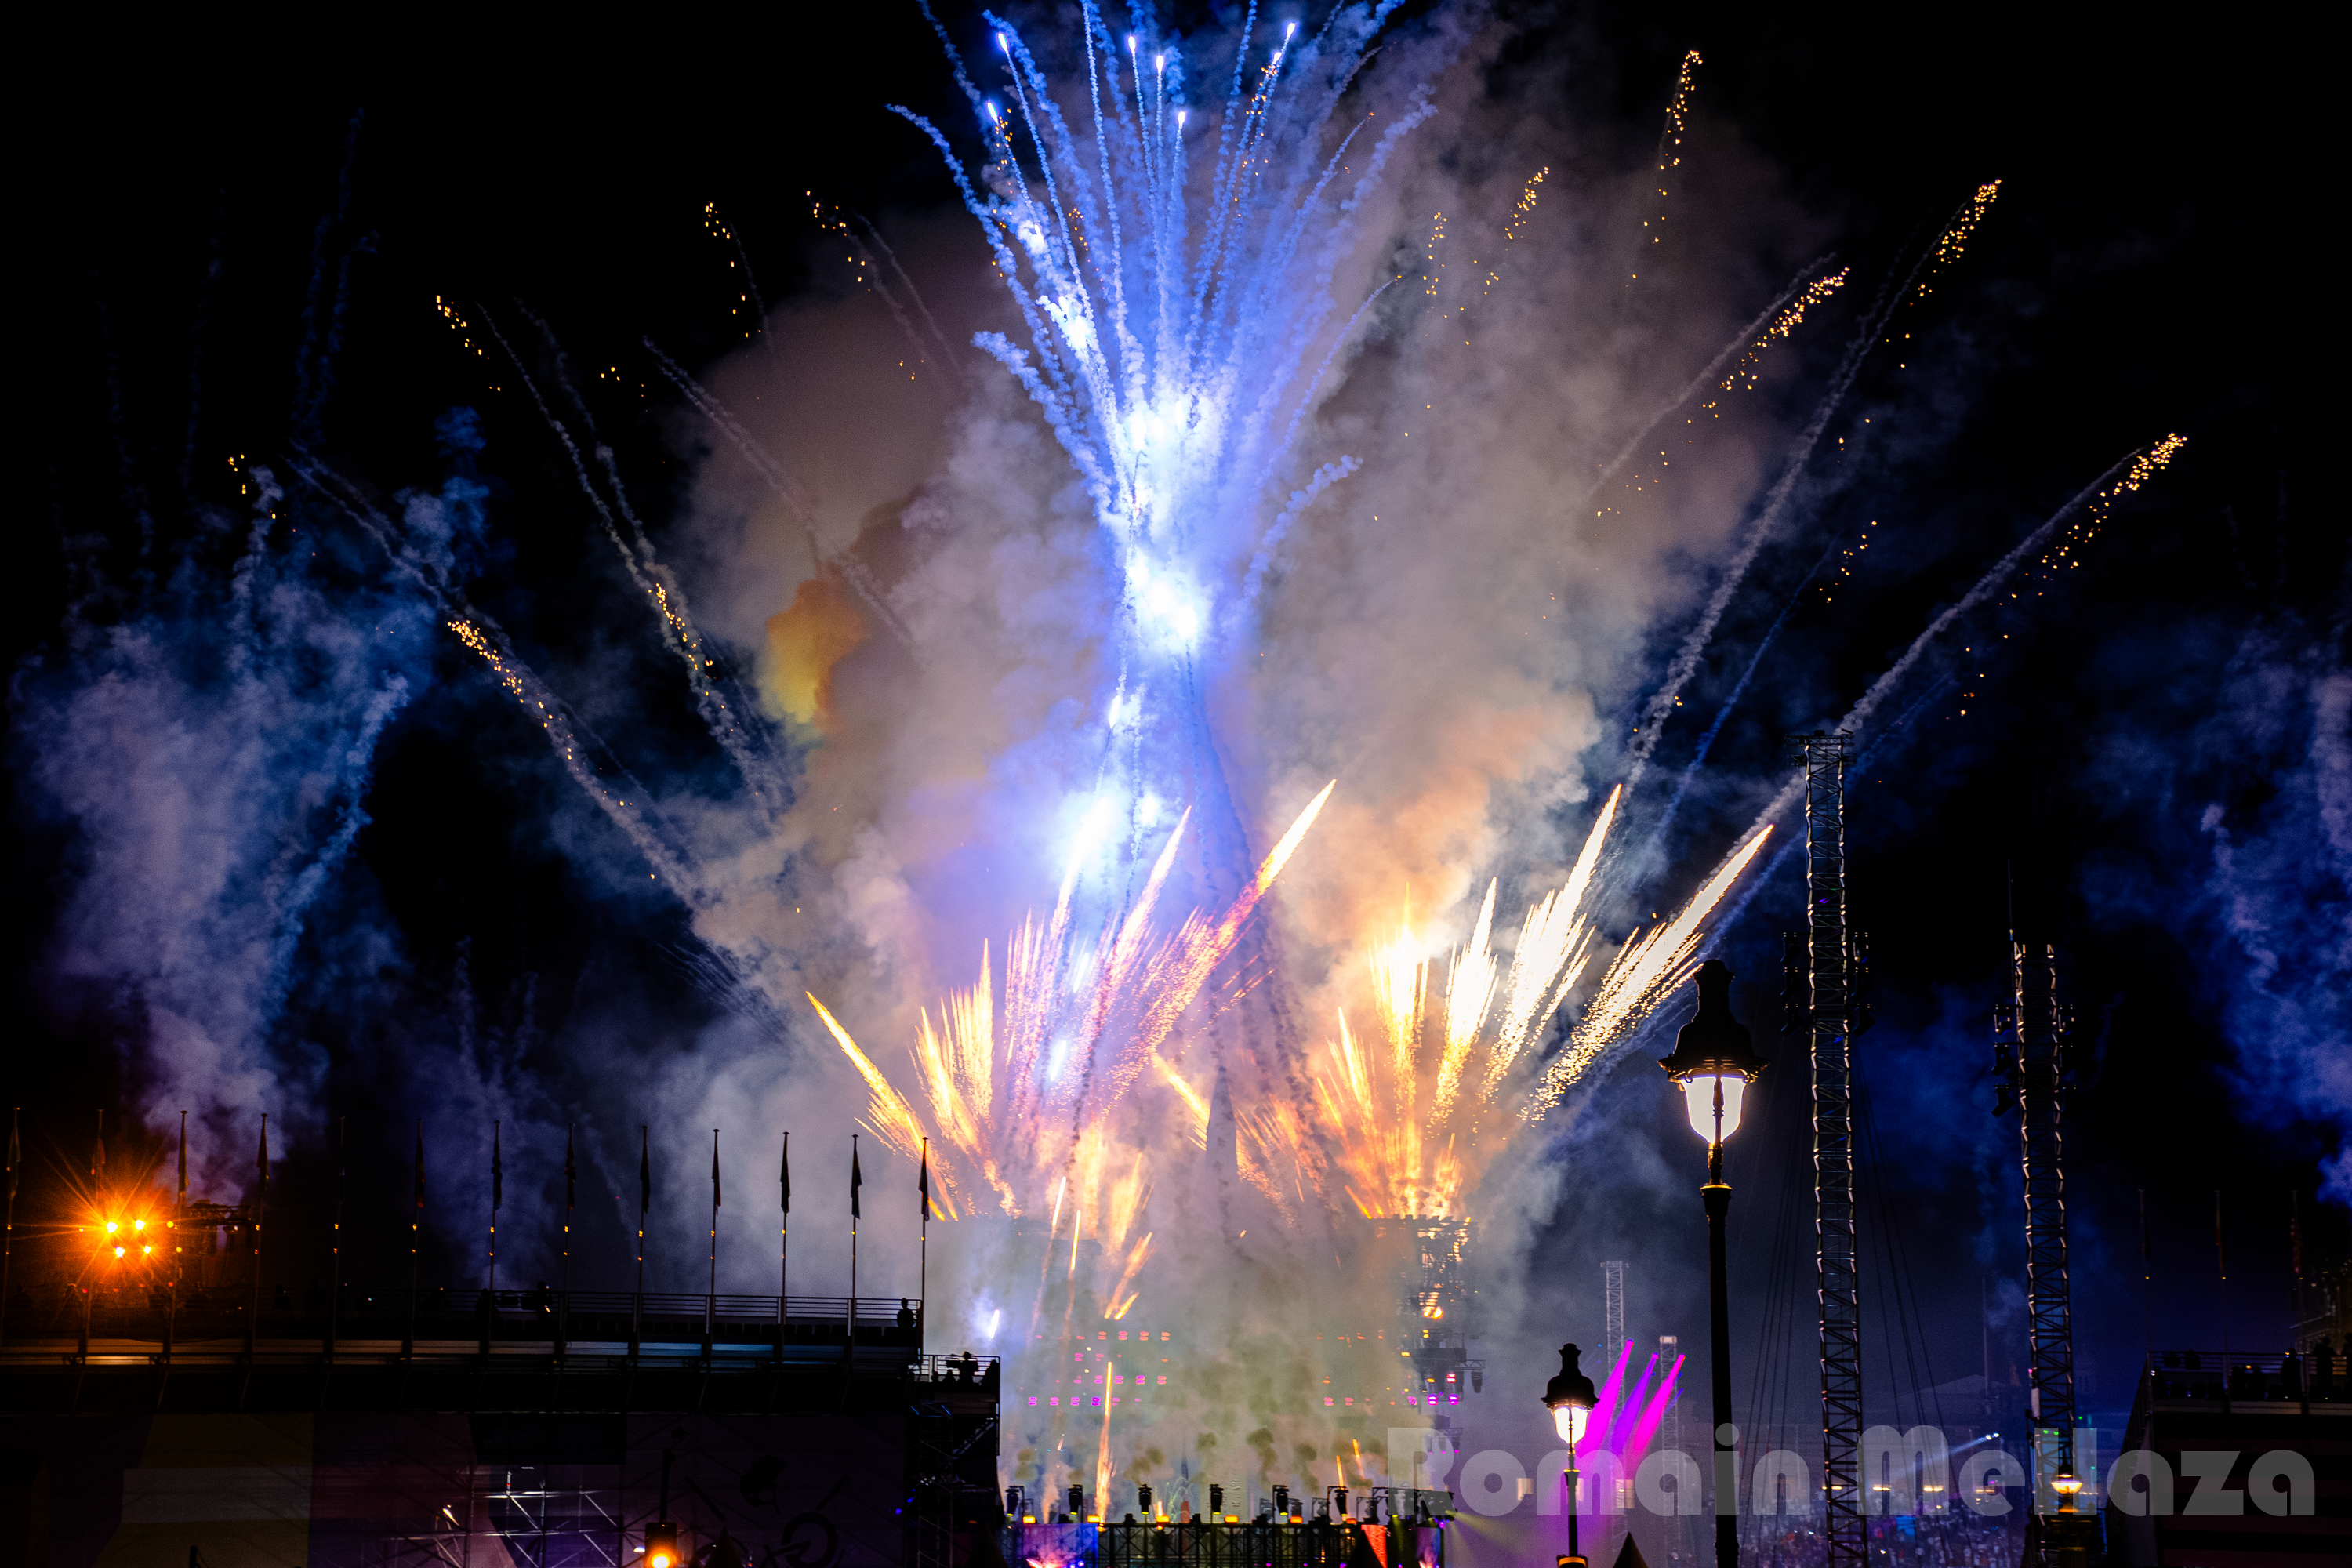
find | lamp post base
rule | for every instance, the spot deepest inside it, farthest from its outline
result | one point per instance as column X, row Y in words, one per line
column 2070, row 1540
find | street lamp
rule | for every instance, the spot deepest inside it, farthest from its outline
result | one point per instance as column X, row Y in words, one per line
column 661, row 1537
column 1570, row 1397
column 1713, row 1064
column 2068, row 1535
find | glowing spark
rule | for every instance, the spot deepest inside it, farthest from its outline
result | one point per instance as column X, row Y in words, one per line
column 1554, row 944
column 1954, row 241
column 1647, row 969
column 1191, row 1098
column 888, row 1116
column 1751, row 364
column 1468, row 991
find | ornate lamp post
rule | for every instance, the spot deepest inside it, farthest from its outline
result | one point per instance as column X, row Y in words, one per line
column 1713, row 1064
column 1569, row 1398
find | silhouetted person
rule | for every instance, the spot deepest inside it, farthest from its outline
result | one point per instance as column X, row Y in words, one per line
column 905, row 1314
column 967, row 1369
column 2290, row 1376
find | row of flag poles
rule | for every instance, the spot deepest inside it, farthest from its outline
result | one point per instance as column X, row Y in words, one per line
column 645, row 1208
column 260, row 1194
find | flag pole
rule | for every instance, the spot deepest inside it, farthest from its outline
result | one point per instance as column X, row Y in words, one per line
column 97, row 1190
column 335, row 1257
column 260, row 1203
column 408, row 1340
column 710, row 1301
column 644, row 1202
column 2294, row 1255
column 8, row 1246
column 857, row 1179
column 2146, row 1268
column 180, row 1213
column 571, row 1195
column 2222, row 1256
column 783, row 1243
column 923, row 1266
column 571, row 1199
column 497, row 1193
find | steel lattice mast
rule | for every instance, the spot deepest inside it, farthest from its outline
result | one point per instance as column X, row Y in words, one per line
column 2038, row 1023
column 1833, row 1195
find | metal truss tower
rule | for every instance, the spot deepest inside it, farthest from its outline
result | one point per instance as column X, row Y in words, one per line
column 1441, row 1317
column 2031, row 1066
column 1612, row 1311
column 1833, row 1195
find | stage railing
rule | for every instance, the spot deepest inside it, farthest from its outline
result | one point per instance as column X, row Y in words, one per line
column 535, row 1316
column 2237, row 1377
column 1200, row 1544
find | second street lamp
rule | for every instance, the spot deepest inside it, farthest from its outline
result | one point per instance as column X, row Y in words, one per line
column 1713, row 1064
column 1569, row 1399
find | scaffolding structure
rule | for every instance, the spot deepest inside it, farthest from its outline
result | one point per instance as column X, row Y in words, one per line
column 1439, row 1312
column 1828, row 951
column 2036, row 1024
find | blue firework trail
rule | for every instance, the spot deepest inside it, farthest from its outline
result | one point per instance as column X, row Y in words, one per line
column 1176, row 308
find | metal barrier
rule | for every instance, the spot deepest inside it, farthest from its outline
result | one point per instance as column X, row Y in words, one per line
column 535, row 1317
column 962, row 1370
column 2218, row 1378
column 1203, row 1544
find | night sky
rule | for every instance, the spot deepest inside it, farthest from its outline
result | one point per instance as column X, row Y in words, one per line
column 2135, row 758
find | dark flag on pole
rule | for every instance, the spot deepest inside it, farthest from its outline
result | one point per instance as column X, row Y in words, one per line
column 261, row 1160
column 15, row 1155
column 785, row 1173
column 644, row 1173
column 420, row 1163
column 923, row 1181
column 714, row 1168
column 183, row 1160
column 571, row 1175
column 498, row 1171
column 857, row 1179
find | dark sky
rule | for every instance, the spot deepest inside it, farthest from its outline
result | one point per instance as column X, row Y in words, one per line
column 2150, row 269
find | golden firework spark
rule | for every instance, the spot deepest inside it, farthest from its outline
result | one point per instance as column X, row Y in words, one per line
column 1391, row 1157
column 1645, row 970
column 2145, row 466
column 997, row 1081
column 1751, row 364
column 1953, row 242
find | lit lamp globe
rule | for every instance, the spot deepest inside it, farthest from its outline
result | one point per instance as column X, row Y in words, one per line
column 2066, row 1483
column 1714, row 1060
column 1569, row 1398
